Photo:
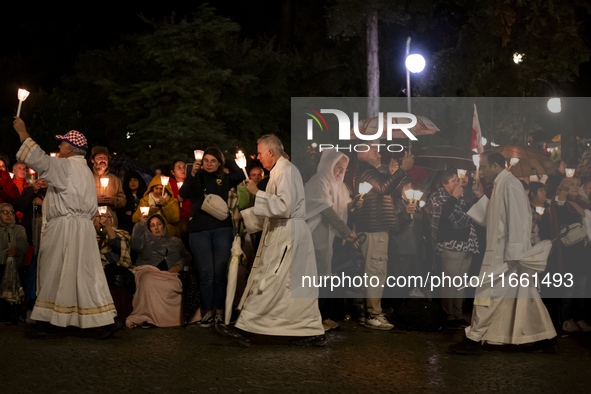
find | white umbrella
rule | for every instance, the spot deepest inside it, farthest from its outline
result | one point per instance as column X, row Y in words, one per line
column 232, row 277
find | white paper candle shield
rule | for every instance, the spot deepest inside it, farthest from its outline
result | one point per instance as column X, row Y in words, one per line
column 164, row 180
column 198, row 154
column 102, row 210
column 104, row 182
column 364, row 188
column 540, row 210
column 22, row 96
column 241, row 162
column 570, row 172
column 144, row 210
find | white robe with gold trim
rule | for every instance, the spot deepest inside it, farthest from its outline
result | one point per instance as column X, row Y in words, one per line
column 72, row 288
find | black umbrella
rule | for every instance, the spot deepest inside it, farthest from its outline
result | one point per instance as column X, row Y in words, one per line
column 444, row 158
column 121, row 164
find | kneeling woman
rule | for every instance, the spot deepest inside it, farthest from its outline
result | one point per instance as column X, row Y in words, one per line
column 158, row 296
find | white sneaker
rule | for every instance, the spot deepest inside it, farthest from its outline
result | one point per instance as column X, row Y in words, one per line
column 379, row 323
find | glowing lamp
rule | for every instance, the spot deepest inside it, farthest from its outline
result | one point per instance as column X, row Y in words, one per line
column 144, row 210
column 22, row 96
column 540, row 210
column 102, row 210
column 570, row 172
column 415, row 63
column 198, row 154
column 11, row 175
column 53, row 154
column 104, row 182
column 554, row 105
column 164, row 180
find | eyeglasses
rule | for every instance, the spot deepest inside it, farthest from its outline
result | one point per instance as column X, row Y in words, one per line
column 7, row 212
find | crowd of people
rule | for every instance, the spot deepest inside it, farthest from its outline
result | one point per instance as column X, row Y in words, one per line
column 155, row 252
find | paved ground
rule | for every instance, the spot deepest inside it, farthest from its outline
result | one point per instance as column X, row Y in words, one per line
column 197, row 360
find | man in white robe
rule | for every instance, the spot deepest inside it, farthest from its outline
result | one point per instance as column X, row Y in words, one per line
column 274, row 301
column 505, row 315
column 72, row 287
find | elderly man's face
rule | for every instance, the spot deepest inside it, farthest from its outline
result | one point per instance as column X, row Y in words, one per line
column 65, row 149
column 20, row 171
column 265, row 156
column 100, row 161
column 7, row 215
column 256, row 175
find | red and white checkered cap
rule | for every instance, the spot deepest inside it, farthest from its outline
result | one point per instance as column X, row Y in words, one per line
column 74, row 138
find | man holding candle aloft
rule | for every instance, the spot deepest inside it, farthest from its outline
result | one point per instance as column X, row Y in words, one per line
column 111, row 195
column 73, row 290
column 376, row 218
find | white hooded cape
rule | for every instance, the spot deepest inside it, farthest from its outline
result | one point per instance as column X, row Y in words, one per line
column 323, row 191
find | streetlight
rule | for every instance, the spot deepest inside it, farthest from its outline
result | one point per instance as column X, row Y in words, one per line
column 554, row 105
column 414, row 63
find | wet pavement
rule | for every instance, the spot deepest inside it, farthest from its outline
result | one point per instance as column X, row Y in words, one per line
column 357, row 359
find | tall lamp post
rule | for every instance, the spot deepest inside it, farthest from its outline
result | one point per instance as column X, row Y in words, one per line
column 415, row 63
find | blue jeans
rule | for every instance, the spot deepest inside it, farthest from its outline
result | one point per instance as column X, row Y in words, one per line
column 211, row 249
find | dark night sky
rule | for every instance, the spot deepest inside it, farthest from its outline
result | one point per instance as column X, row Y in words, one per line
column 44, row 43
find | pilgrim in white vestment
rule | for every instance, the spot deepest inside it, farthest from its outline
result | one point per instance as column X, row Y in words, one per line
column 72, row 287
column 274, row 301
column 505, row 314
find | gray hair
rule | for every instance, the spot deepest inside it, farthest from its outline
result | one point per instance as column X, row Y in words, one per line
column 78, row 151
column 272, row 142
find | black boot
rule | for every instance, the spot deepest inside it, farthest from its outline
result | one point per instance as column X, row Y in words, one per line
column 108, row 330
column 467, row 347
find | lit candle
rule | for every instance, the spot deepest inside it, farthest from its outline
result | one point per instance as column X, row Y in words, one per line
column 102, row 210
column 540, row 210
column 241, row 162
column 461, row 173
column 53, row 154
column 11, row 175
column 104, row 182
column 417, row 195
column 198, row 154
column 421, row 204
column 513, row 161
column 364, row 188
column 570, row 172
column 33, row 173
column 22, row 96
column 179, row 185
column 145, row 210
column 164, row 180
